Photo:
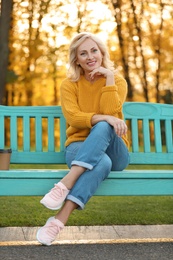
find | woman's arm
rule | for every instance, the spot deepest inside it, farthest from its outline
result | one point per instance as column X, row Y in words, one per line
column 113, row 93
column 113, row 97
column 119, row 125
column 69, row 103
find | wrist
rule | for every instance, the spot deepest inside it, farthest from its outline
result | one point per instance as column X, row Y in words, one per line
column 110, row 80
column 97, row 118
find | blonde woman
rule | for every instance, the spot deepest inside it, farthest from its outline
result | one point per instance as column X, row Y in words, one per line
column 92, row 97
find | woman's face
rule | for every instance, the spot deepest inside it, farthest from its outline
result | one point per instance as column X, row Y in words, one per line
column 89, row 56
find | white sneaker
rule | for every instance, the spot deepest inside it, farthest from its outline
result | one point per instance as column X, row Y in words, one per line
column 47, row 234
column 55, row 198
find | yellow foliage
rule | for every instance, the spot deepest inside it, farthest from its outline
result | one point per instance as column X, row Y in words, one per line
column 137, row 34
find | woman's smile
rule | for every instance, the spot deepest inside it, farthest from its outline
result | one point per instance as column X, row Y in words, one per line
column 91, row 63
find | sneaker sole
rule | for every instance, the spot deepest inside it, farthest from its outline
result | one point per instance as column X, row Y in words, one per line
column 43, row 243
column 50, row 207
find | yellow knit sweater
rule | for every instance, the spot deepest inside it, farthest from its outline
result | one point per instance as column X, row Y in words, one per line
column 81, row 100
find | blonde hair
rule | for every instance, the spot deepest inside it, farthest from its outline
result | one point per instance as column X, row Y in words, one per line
column 75, row 70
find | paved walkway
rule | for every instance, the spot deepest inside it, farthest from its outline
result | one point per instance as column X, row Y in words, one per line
column 91, row 234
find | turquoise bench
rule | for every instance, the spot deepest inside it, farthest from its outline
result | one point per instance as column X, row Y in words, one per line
column 150, row 130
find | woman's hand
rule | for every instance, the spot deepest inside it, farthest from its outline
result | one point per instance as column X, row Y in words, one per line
column 108, row 74
column 100, row 71
column 119, row 125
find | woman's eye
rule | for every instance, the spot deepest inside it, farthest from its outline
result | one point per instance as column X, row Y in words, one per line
column 83, row 53
column 95, row 50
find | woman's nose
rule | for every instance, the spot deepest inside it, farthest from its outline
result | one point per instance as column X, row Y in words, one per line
column 90, row 56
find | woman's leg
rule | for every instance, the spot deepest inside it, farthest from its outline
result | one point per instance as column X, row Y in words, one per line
column 89, row 154
column 66, row 210
column 83, row 189
column 104, row 151
column 70, row 179
column 118, row 153
column 115, row 157
column 93, row 148
column 87, row 183
column 47, row 234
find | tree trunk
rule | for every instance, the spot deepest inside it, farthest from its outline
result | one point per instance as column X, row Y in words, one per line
column 144, row 69
column 158, row 54
column 5, row 19
column 118, row 19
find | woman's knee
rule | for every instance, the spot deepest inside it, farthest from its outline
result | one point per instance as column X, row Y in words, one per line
column 102, row 124
column 122, row 163
column 102, row 128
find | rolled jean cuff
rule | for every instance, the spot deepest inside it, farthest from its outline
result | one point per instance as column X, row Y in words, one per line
column 75, row 200
column 82, row 164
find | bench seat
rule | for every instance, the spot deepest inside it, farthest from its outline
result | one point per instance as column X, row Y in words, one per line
column 128, row 182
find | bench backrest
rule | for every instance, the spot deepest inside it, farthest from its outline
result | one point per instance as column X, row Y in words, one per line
column 25, row 126
column 151, row 132
column 22, row 128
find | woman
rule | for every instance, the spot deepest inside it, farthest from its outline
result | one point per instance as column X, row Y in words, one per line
column 92, row 97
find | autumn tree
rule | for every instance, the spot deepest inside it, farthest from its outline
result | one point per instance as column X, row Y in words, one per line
column 137, row 34
column 5, row 19
column 41, row 33
column 141, row 30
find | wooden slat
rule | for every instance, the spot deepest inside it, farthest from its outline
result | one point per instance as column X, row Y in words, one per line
column 13, row 133
column 135, row 141
column 151, row 158
column 157, row 134
column 135, row 183
column 146, row 135
column 63, row 133
column 51, row 134
column 38, row 133
column 37, row 158
column 2, row 126
column 168, row 135
column 26, row 133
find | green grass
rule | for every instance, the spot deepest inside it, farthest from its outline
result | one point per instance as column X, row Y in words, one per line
column 119, row 210
column 62, row 166
column 27, row 211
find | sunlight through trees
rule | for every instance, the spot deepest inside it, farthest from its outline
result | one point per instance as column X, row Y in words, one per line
column 139, row 35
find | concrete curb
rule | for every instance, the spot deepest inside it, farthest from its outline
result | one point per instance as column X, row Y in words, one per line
column 91, row 234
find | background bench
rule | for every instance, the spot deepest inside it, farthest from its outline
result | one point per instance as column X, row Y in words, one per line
column 150, row 131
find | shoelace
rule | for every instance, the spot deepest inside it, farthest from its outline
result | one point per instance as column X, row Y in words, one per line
column 56, row 192
column 52, row 230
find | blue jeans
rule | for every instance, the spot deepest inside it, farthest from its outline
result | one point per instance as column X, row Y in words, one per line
column 101, row 152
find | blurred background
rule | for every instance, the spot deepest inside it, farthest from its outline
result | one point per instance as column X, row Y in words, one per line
column 35, row 36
